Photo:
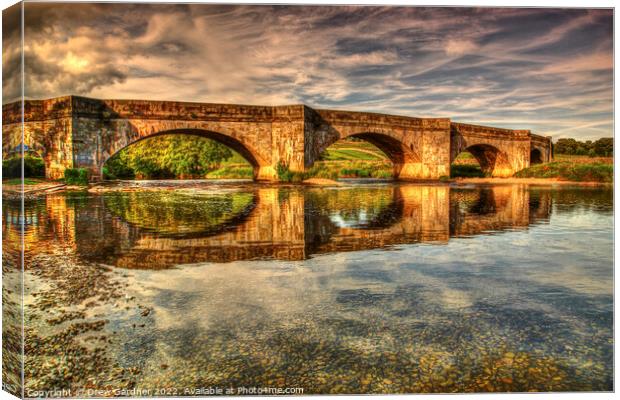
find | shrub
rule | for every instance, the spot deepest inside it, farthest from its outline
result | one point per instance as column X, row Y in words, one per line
column 12, row 168
column 76, row 176
column 34, row 167
column 117, row 167
column 382, row 174
column 286, row 175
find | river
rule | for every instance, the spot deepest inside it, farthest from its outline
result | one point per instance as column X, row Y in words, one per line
column 364, row 288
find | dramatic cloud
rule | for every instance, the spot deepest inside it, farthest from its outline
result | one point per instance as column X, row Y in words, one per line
column 549, row 70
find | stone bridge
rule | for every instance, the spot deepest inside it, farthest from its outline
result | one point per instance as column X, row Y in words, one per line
column 80, row 132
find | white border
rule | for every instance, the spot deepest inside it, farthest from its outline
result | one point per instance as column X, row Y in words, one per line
column 457, row 3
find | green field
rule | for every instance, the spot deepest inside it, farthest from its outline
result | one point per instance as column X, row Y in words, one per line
column 352, row 150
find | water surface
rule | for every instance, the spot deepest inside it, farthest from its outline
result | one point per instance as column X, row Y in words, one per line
column 378, row 288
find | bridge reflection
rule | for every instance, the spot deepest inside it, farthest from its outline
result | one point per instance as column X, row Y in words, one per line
column 133, row 230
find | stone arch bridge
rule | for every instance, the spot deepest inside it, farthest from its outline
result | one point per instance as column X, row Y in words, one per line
column 80, row 132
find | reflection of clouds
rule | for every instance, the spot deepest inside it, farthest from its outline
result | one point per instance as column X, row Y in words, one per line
column 469, row 297
column 215, row 293
column 348, row 222
column 543, row 69
column 451, row 277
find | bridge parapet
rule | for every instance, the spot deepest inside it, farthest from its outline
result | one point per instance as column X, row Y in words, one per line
column 170, row 110
column 37, row 110
column 490, row 131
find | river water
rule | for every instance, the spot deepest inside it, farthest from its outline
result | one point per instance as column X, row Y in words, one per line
column 189, row 287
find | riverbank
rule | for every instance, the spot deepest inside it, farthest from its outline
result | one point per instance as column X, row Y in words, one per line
column 43, row 188
column 527, row 181
column 571, row 170
column 32, row 187
column 563, row 168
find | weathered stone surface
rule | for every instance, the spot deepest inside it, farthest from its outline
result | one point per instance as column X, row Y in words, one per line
column 79, row 132
column 500, row 152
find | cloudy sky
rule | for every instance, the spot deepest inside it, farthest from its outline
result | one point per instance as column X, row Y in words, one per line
column 549, row 70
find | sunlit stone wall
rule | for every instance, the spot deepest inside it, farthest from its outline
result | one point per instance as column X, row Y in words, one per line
column 419, row 148
column 500, row 152
column 72, row 131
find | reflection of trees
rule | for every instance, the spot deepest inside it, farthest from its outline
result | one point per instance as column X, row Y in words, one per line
column 358, row 208
column 488, row 209
column 585, row 198
column 174, row 213
column 480, row 201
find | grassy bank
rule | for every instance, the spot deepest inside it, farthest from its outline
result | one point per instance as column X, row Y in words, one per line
column 27, row 181
column 570, row 171
column 340, row 169
column 564, row 167
column 232, row 171
column 466, row 171
column 358, row 159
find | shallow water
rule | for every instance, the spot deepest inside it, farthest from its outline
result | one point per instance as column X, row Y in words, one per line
column 376, row 288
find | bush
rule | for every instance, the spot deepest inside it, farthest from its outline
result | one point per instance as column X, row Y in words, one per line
column 12, row 168
column 117, row 168
column 76, row 176
column 286, row 175
column 382, row 174
column 34, row 167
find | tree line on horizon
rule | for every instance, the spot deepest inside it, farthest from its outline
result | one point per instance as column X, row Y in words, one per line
column 603, row 147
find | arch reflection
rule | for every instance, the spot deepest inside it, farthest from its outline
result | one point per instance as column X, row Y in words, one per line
column 151, row 230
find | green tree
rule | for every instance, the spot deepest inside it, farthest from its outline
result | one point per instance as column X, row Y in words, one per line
column 168, row 156
column 601, row 147
column 34, row 166
column 566, row 146
column 604, row 147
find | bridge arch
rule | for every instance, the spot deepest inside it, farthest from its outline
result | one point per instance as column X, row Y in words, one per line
column 491, row 159
column 394, row 148
column 404, row 155
column 536, row 156
column 251, row 156
column 500, row 152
